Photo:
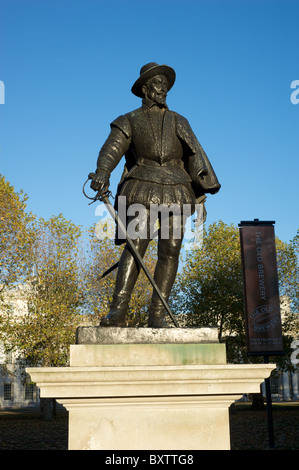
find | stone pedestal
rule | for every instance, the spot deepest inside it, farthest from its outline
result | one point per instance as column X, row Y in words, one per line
column 148, row 389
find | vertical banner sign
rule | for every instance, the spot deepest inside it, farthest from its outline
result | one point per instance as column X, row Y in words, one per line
column 262, row 304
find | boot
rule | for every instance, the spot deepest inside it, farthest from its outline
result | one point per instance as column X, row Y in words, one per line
column 156, row 317
column 127, row 274
column 117, row 313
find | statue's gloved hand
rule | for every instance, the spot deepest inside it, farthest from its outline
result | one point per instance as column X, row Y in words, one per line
column 100, row 181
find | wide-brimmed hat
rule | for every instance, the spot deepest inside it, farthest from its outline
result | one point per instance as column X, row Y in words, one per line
column 150, row 70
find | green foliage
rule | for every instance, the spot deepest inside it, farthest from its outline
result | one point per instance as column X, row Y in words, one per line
column 16, row 236
column 53, row 292
column 288, row 269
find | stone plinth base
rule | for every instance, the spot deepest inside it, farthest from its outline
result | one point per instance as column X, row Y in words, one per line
column 151, row 395
column 98, row 335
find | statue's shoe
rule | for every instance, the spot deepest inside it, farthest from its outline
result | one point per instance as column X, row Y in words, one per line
column 156, row 319
column 113, row 319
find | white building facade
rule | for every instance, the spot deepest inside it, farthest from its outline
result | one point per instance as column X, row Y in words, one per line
column 16, row 389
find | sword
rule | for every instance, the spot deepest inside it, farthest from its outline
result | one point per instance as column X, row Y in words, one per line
column 108, row 271
column 104, row 197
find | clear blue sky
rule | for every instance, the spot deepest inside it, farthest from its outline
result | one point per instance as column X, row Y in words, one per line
column 68, row 67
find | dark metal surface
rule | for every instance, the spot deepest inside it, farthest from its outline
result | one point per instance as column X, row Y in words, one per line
column 164, row 164
column 137, row 256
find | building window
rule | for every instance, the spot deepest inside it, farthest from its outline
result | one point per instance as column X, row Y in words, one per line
column 29, row 391
column 7, row 392
column 9, row 357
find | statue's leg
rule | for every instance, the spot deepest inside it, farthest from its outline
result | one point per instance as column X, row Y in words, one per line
column 127, row 274
column 166, row 270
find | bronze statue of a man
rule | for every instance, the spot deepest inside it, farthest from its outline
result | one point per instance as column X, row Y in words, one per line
column 164, row 165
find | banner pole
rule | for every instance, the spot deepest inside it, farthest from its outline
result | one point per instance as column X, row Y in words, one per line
column 261, row 298
column 269, row 408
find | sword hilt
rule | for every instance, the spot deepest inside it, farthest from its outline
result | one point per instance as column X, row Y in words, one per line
column 99, row 196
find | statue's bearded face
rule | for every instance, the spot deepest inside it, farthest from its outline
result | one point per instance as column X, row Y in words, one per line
column 156, row 89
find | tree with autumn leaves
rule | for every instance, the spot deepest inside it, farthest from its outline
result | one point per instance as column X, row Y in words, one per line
column 43, row 257
column 60, row 268
column 54, row 293
column 15, row 236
